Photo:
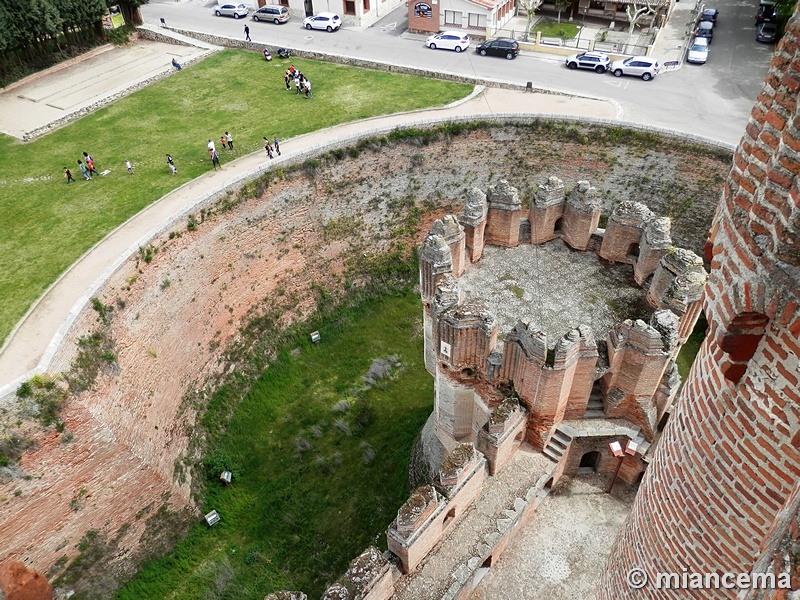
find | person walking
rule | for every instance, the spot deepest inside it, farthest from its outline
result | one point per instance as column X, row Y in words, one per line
column 308, row 89
column 277, row 145
column 247, row 34
column 129, row 166
column 229, row 137
column 171, row 164
column 211, row 147
column 84, row 171
column 297, row 80
column 287, row 79
column 215, row 160
column 68, row 175
column 89, row 162
column 268, row 148
column 222, row 142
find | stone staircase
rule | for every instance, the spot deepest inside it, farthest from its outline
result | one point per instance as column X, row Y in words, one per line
column 594, row 408
column 557, row 445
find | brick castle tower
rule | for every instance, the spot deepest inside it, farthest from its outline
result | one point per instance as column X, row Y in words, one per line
column 723, row 488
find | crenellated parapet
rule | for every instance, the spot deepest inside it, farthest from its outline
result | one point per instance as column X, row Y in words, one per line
column 473, row 220
column 503, row 216
column 502, row 434
column 629, row 376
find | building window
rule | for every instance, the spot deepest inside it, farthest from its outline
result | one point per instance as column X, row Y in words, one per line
column 453, row 17
column 349, row 7
column 366, row 6
column 594, row 5
column 476, row 21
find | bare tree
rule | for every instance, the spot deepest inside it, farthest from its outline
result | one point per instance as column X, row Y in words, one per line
column 530, row 7
column 636, row 10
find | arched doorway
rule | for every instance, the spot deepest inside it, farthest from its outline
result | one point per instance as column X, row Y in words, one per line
column 589, row 462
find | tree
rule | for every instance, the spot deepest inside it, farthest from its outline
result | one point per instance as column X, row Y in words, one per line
column 562, row 5
column 636, row 11
column 530, row 7
column 130, row 10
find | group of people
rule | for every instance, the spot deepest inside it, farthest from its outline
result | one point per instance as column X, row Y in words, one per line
column 270, row 149
column 86, row 166
column 301, row 82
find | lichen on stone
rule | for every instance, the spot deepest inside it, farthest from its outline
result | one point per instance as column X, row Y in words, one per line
column 504, row 410
column 457, row 460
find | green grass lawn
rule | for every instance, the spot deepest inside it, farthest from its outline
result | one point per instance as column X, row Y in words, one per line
column 313, row 486
column 552, row 28
column 47, row 224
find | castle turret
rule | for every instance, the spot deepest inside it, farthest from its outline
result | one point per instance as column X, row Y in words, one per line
column 655, row 243
column 435, row 262
column 473, row 219
column 504, row 215
column 546, row 209
column 453, row 235
column 624, row 230
column 582, row 213
column 721, row 493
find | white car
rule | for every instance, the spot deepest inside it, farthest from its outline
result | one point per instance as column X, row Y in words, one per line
column 638, row 66
column 324, row 20
column 448, row 40
column 698, row 53
column 237, row 11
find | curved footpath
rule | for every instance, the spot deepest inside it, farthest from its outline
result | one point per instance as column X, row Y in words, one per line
column 33, row 342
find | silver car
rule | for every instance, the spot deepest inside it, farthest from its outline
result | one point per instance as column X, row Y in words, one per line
column 237, row 11
column 638, row 66
column 698, row 53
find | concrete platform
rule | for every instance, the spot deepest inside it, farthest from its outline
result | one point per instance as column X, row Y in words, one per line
column 53, row 96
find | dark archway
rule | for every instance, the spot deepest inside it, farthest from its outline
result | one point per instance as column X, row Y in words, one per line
column 589, row 462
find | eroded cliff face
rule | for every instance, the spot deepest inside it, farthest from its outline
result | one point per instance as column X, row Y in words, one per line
column 119, row 459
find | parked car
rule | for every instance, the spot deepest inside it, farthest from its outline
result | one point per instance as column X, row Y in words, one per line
column 324, row 20
column 638, row 66
column 698, row 53
column 767, row 32
column 448, row 40
column 767, row 13
column 276, row 14
column 499, row 47
column 709, row 14
column 705, row 29
column 596, row 61
column 237, row 11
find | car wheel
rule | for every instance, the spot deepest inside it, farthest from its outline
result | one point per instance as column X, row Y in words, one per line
column 276, row 21
column 458, row 48
column 600, row 69
column 573, row 65
column 255, row 19
column 235, row 16
column 647, row 76
column 329, row 29
column 482, row 53
column 308, row 25
column 510, row 55
column 618, row 73
column 216, row 12
column 432, row 46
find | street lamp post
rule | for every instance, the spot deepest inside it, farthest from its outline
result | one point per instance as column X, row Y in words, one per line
column 620, row 453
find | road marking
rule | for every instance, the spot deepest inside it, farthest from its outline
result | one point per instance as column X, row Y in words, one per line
column 617, row 84
column 389, row 27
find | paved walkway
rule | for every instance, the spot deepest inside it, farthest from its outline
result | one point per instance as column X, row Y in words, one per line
column 32, row 345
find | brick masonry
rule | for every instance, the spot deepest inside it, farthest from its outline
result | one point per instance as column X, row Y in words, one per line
column 721, row 492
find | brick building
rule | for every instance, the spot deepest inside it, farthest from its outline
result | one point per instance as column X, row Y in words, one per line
column 722, row 492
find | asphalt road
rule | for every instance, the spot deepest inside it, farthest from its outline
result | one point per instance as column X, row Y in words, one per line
column 713, row 100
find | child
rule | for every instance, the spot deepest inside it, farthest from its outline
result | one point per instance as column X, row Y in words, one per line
column 89, row 162
column 84, row 171
column 222, row 141
column 277, row 145
column 308, row 89
column 129, row 166
column 68, row 175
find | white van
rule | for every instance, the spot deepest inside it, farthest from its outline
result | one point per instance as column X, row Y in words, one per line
column 276, row 14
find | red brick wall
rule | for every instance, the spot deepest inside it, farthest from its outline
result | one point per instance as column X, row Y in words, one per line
column 726, row 467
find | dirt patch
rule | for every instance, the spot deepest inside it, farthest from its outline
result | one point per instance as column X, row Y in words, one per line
column 180, row 305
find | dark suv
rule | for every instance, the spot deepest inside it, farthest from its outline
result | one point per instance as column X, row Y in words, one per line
column 499, row 47
column 767, row 13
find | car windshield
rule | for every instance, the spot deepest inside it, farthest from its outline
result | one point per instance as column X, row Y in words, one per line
column 699, row 48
